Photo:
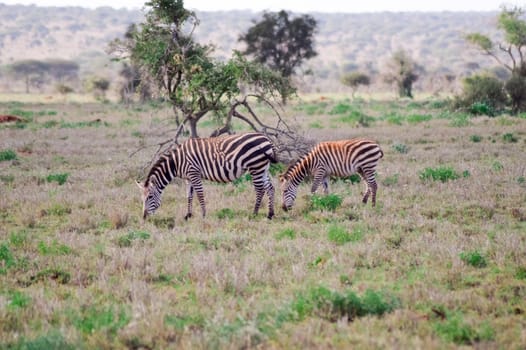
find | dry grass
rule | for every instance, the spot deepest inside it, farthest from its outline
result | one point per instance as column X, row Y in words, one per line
column 78, row 268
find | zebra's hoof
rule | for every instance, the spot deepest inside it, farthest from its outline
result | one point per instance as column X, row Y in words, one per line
column 188, row 216
column 270, row 216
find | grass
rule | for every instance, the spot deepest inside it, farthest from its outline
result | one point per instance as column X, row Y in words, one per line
column 439, row 263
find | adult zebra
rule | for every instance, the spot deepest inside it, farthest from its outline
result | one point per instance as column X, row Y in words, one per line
column 219, row 159
column 333, row 158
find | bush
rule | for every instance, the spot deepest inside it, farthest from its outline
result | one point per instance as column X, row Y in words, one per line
column 516, row 89
column 474, row 258
column 329, row 202
column 58, row 178
column 7, row 154
column 442, row 174
column 482, row 94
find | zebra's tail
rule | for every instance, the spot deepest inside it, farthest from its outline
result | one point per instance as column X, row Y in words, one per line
column 273, row 157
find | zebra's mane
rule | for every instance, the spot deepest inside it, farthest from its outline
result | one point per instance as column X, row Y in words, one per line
column 162, row 158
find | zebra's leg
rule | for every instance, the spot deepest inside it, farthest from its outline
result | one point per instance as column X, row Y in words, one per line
column 367, row 187
column 325, row 184
column 269, row 188
column 318, row 178
column 197, row 186
column 373, row 186
column 190, row 197
column 260, row 186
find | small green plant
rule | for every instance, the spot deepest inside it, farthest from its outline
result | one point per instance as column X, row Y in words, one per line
column 390, row 180
column 329, row 202
column 53, row 340
column 520, row 273
column 7, row 259
column 509, row 137
column 95, row 318
column 286, row 233
column 418, row 118
column 341, row 108
column 127, row 239
column 338, row 235
column 401, row 148
column 55, row 248
column 475, row 138
column 60, row 178
column 442, row 174
column 18, row 300
column 481, row 108
column 226, row 213
column 497, row 166
column 474, row 258
column 454, row 329
column 7, row 155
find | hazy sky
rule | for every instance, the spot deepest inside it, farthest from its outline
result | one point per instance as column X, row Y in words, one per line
column 296, row 5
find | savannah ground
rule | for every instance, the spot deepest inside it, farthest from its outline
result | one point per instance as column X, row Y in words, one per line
column 439, row 263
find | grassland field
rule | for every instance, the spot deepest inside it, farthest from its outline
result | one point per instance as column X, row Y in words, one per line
column 439, row 263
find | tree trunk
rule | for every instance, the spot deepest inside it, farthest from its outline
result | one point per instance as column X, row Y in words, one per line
column 193, row 127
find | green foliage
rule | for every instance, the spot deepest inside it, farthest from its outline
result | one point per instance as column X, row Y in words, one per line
column 59, row 178
column 475, row 138
column 225, row 213
column 53, row 340
column 7, row 259
column 497, row 166
column 7, row 154
column 341, row 108
column 181, row 323
column 509, row 137
column 442, row 174
column 474, row 258
column 329, row 202
column 56, row 274
column 333, row 306
column 280, row 42
column 286, row 233
column 55, row 248
column 418, row 118
column 402, row 71
column 455, row 329
column 355, row 79
column 338, row 235
column 357, row 118
column 516, row 89
column 18, row 299
column 94, row 318
column 127, row 239
column 401, row 148
column 482, row 94
column 520, row 273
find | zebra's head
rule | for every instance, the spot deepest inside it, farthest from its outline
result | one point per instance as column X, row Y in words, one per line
column 288, row 193
column 151, row 199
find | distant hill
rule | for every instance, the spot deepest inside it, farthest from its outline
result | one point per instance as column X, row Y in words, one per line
column 344, row 42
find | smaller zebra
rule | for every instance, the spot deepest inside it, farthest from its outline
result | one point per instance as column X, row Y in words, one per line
column 333, row 158
column 218, row 159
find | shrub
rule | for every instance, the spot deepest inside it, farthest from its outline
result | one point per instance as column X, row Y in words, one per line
column 127, row 240
column 474, row 258
column 516, row 89
column 401, row 148
column 329, row 202
column 338, row 235
column 225, row 213
column 442, row 174
column 482, row 94
column 475, row 138
column 58, row 178
column 509, row 137
column 286, row 233
column 7, row 154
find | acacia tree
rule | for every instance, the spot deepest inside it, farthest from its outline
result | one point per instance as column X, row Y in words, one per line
column 403, row 72
column 510, row 54
column 186, row 74
column 281, row 43
column 354, row 80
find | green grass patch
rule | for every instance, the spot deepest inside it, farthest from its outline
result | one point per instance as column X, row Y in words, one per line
column 475, row 138
column 289, row 233
column 182, row 323
column 127, row 239
column 7, row 260
column 7, row 154
column 59, row 178
column 339, row 235
column 18, row 300
column 442, row 174
column 52, row 340
column 474, row 258
column 510, row 137
column 418, row 118
column 454, row 329
column 401, row 148
column 329, row 202
column 225, row 213
column 94, row 318
column 55, row 248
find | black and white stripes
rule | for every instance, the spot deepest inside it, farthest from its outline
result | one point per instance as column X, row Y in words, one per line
column 222, row 159
column 337, row 158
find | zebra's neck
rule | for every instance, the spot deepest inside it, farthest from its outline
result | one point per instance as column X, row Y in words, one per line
column 164, row 170
column 297, row 172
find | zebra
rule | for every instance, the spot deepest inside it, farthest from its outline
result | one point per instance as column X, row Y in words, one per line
column 333, row 158
column 219, row 159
